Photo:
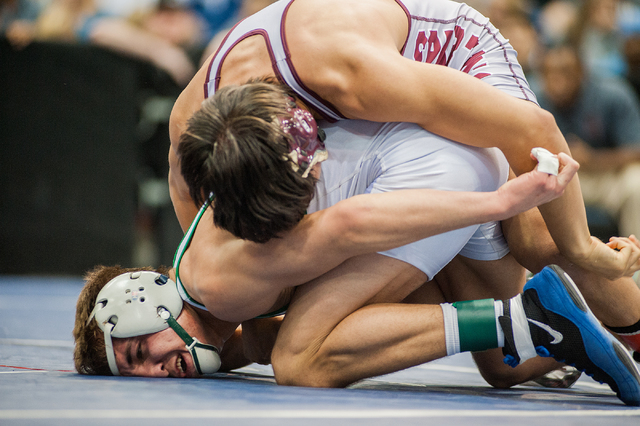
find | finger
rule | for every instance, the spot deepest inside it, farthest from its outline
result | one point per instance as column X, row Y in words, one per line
column 618, row 242
column 569, row 167
column 630, row 256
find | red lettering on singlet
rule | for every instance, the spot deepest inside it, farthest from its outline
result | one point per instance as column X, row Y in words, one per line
column 473, row 42
column 472, row 61
column 431, row 49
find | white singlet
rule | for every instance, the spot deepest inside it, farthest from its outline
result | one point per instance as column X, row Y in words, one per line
column 367, row 157
column 440, row 32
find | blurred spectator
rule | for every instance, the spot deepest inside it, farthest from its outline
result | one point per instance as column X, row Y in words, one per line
column 249, row 7
column 125, row 8
column 601, row 120
column 215, row 14
column 555, row 21
column 83, row 21
column 517, row 27
column 598, row 38
column 17, row 18
column 498, row 11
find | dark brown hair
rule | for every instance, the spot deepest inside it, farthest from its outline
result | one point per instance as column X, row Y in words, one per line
column 235, row 148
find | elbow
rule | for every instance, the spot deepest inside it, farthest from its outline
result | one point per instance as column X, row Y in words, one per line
column 347, row 221
column 545, row 132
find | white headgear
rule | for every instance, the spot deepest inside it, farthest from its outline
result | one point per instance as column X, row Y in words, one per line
column 145, row 302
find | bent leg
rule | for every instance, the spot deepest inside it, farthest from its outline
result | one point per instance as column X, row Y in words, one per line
column 468, row 279
column 332, row 336
column 616, row 303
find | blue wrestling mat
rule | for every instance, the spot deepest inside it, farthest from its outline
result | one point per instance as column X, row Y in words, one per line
column 38, row 385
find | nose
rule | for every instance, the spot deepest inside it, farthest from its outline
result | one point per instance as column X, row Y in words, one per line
column 153, row 369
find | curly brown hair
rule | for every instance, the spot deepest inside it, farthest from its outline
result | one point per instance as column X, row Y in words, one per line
column 89, row 355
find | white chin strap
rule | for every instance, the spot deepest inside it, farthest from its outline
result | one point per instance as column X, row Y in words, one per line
column 205, row 357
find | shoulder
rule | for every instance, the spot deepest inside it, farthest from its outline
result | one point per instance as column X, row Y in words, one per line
column 330, row 41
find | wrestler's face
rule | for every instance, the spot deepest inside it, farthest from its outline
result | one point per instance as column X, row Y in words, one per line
column 161, row 354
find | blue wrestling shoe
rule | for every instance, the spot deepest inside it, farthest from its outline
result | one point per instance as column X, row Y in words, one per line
column 561, row 325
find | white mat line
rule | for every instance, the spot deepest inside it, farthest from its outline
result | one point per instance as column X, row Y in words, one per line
column 469, row 370
column 442, row 367
column 41, row 343
column 303, row 414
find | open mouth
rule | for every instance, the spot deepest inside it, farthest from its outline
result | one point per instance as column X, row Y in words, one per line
column 181, row 366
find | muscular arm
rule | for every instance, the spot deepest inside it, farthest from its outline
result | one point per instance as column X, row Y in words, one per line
column 359, row 70
column 248, row 277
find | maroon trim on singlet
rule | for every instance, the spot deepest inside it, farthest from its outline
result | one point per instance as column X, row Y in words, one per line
column 261, row 32
column 208, row 79
column 287, row 54
column 406, row 12
column 491, row 33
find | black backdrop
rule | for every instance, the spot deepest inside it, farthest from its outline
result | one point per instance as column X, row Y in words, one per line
column 69, row 156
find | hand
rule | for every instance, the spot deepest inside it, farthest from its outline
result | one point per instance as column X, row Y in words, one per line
column 620, row 257
column 534, row 188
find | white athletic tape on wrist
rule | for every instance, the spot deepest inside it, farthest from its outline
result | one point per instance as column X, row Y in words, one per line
column 547, row 162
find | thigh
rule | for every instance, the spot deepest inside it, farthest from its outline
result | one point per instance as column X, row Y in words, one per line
column 469, row 279
column 320, row 305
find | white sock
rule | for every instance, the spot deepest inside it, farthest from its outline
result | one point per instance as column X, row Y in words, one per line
column 451, row 333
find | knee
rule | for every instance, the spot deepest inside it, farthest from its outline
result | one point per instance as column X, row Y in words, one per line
column 495, row 372
column 499, row 379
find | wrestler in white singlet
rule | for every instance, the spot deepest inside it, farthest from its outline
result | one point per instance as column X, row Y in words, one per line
column 367, row 157
column 440, row 32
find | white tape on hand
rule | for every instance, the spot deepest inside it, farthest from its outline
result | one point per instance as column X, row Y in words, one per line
column 547, row 162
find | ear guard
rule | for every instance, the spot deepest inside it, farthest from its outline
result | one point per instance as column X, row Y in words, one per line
column 306, row 140
column 145, row 302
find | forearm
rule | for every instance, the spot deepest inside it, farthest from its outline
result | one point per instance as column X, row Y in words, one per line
column 388, row 220
column 566, row 221
column 121, row 36
column 383, row 221
column 440, row 99
column 516, row 127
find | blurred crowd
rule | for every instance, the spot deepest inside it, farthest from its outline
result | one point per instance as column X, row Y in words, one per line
column 581, row 57
column 171, row 34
